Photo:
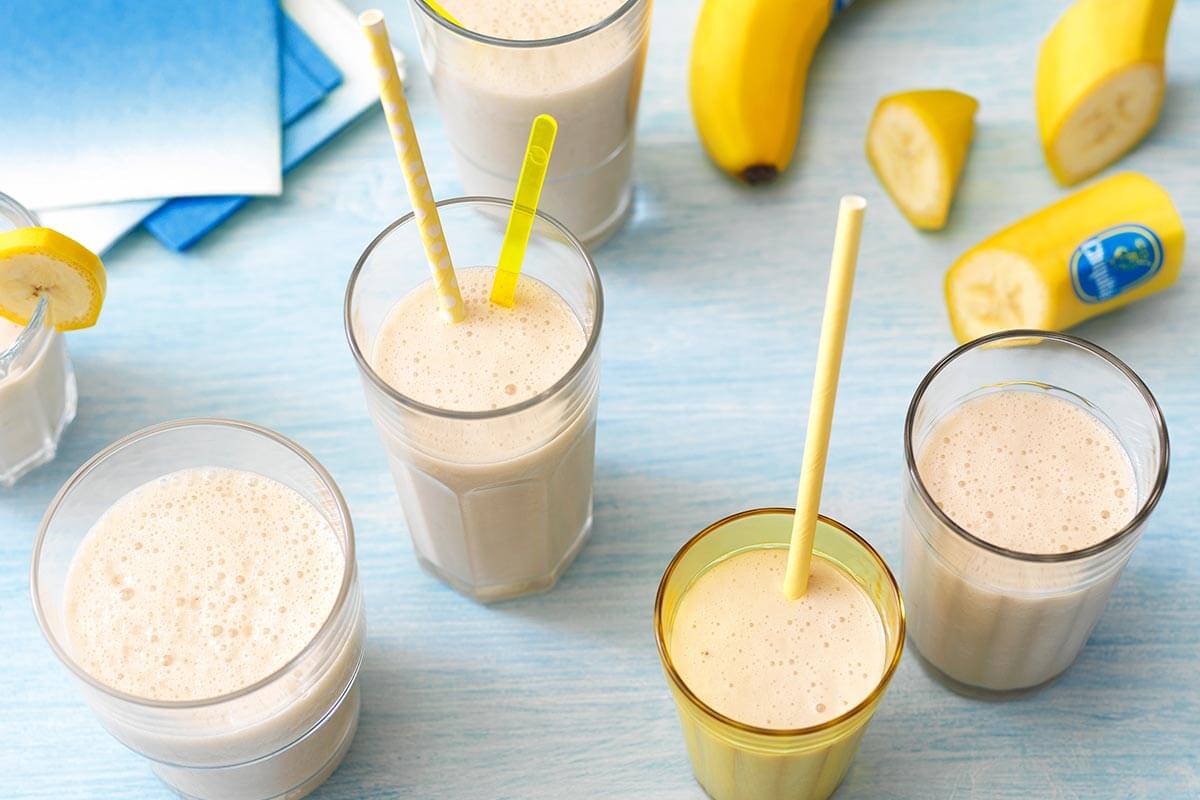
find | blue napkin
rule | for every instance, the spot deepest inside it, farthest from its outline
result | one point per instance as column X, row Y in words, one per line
column 108, row 101
column 307, row 76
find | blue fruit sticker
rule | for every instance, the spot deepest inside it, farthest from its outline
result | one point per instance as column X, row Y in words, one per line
column 1115, row 261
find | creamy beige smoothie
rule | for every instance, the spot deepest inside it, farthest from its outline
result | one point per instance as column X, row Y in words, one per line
column 489, row 94
column 1028, row 472
column 496, row 506
column 37, row 397
column 753, row 655
column 199, row 585
column 775, row 695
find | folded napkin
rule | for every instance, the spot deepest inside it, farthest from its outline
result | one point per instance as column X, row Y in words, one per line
column 331, row 29
column 113, row 100
column 307, row 77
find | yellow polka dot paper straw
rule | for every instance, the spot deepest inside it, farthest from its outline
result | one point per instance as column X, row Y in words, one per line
column 524, row 207
column 404, row 139
column 824, row 393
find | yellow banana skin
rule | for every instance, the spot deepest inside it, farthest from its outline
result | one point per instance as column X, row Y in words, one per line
column 1108, row 245
column 749, row 65
column 1100, row 46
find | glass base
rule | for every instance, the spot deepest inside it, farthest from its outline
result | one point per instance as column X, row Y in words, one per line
column 509, row 591
column 605, row 230
column 351, row 703
column 598, row 235
column 978, row 692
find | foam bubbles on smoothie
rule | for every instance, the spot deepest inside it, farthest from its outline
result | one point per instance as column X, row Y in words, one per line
column 753, row 655
column 530, row 19
column 200, row 583
column 1029, row 472
column 598, row 73
column 495, row 358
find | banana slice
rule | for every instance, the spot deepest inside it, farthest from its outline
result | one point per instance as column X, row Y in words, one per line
column 1103, row 247
column 1100, row 83
column 917, row 143
column 39, row 262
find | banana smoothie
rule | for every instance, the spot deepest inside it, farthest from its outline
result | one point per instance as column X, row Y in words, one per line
column 1028, row 472
column 753, row 655
column 37, row 382
column 497, row 503
column 505, row 63
column 774, row 695
column 198, row 586
column 37, row 396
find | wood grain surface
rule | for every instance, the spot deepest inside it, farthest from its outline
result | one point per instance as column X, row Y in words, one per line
column 705, row 382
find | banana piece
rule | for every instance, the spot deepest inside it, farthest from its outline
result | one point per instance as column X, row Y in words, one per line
column 1103, row 247
column 39, row 262
column 917, row 143
column 749, row 64
column 1100, row 83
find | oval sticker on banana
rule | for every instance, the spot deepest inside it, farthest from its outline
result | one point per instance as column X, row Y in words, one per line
column 749, row 65
column 1103, row 247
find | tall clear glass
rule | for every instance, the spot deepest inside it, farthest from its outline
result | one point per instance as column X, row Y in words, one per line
column 736, row 761
column 37, row 383
column 278, row 738
column 490, row 518
column 489, row 90
column 992, row 619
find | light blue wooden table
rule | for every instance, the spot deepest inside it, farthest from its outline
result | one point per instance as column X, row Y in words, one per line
column 705, row 384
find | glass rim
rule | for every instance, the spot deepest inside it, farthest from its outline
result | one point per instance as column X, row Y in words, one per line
column 1160, row 425
column 17, row 214
column 778, row 733
column 349, row 572
column 413, row 404
column 496, row 41
column 28, row 333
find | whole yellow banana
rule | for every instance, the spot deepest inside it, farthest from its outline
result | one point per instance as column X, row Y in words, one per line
column 750, row 62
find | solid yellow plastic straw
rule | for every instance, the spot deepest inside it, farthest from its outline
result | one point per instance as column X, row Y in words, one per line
column 404, row 139
column 442, row 12
column 824, row 393
column 520, row 219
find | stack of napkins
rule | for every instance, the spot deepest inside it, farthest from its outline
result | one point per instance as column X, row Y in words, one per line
column 173, row 115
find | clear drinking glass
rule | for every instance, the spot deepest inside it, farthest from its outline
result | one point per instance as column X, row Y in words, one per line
column 489, row 90
column 993, row 619
column 278, row 738
column 37, row 383
column 736, row 761
column 491, row 519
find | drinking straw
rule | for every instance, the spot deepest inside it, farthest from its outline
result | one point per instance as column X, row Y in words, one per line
column 824, row 393
column 442, row 12
column 525, row 201
column 404, row 139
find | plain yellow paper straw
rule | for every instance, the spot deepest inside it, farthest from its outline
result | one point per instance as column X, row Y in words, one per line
column 404, row 139
column 824, row 393
column 524, row 207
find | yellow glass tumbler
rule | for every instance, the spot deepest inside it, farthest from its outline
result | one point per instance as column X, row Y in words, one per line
column 736, row 761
